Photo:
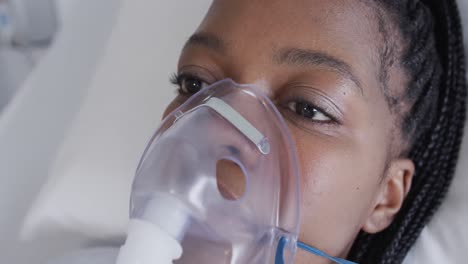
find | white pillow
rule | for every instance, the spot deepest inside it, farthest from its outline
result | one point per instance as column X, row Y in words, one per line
column 88, row 188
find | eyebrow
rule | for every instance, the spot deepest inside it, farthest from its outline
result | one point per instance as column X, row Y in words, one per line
column 303, row 57
column 291, row 56
column 207, row 40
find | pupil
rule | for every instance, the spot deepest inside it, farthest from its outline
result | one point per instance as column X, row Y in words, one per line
column 193, row 85
column 305, row 110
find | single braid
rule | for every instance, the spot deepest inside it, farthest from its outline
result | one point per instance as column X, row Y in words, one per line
column 434, row 60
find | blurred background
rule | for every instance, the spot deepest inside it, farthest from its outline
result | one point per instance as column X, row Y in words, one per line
column 83, row 84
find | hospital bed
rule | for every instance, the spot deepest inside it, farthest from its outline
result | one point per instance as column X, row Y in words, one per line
column 72, row 134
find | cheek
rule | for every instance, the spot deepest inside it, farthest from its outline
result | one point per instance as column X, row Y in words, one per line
column 339, row 181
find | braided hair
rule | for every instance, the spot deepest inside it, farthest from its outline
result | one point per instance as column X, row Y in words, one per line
column 433, row 59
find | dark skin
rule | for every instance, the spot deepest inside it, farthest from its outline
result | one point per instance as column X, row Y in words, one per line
column 322, row 56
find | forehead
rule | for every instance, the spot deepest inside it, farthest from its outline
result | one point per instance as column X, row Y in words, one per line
column 255, row 29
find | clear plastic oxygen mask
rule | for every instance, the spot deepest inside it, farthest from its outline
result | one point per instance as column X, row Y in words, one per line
column 186, row 207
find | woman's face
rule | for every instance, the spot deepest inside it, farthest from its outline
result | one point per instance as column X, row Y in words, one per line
column 320, row 62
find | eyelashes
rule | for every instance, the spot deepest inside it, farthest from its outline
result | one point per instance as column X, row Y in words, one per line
column 188, row 84
column 174, row 79
column 308, row 111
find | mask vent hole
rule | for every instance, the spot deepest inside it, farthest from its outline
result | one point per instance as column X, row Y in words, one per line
column 231, row 180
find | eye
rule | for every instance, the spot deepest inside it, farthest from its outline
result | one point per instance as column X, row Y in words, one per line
column 189, row 84
column 309, row 111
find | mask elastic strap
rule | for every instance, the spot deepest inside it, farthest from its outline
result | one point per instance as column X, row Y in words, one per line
column 279, row 258
column 322, row 254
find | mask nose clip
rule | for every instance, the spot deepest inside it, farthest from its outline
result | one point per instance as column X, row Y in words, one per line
column 237, row 120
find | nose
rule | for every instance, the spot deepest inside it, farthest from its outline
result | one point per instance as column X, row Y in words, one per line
column 255, row 74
